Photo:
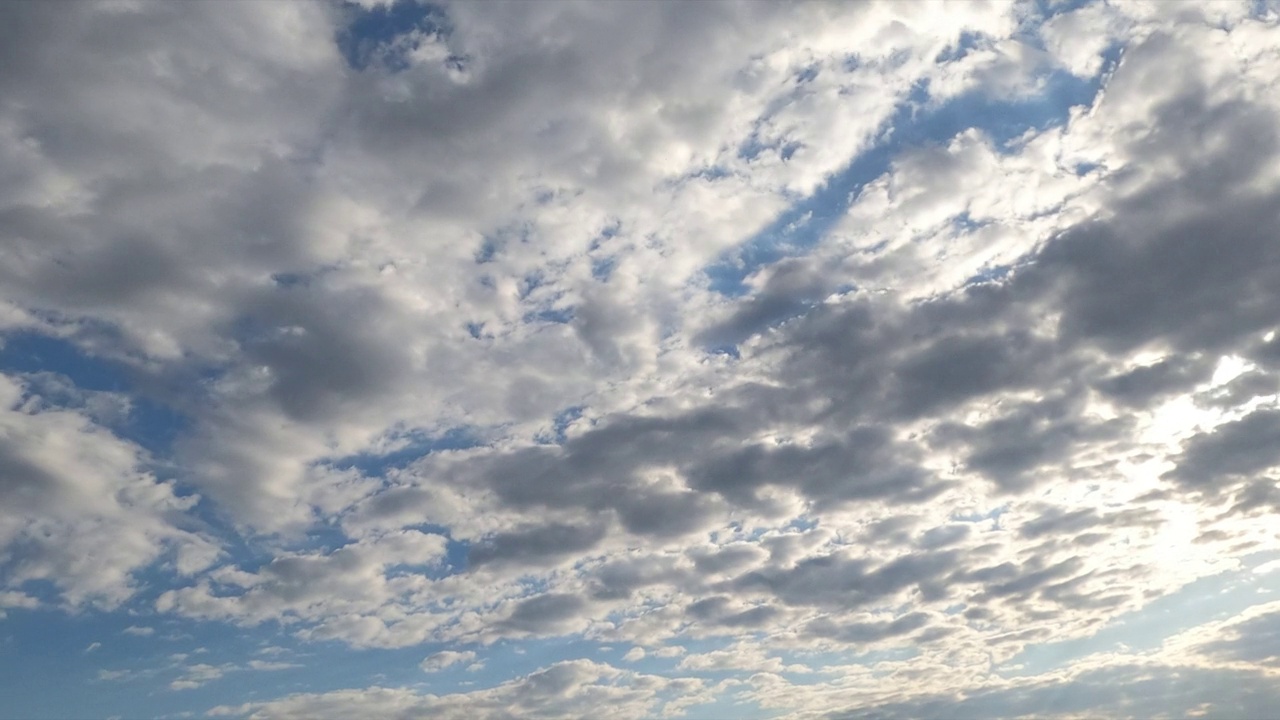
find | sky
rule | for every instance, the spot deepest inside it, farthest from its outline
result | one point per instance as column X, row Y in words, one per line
column 639, row 359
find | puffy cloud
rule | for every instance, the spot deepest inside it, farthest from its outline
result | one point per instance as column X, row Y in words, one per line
column 852, row 341
column 341, row 585
column 81, row 510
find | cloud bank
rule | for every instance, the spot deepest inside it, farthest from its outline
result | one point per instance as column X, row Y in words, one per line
column 649, row 359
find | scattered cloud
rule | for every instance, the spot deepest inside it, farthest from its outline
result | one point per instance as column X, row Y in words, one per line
column 446, row 658
column 561, row 690
column 837, row 360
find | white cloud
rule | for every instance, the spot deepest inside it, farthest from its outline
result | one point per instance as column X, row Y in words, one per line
column 197, row 675
column 971, row 404
column 72, row 490
column 446, row 658
column 268, row 666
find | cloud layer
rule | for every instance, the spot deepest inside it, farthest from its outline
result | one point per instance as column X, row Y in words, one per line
column 707, row 359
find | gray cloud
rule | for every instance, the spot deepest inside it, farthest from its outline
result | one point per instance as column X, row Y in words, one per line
column 843, row 582
column 529, row 547
column 1231, row 451
column 312, row 262
column 867, row 632
column 547, row 613
column 1253, row 641
column 1140, row 387
column 1136, row 689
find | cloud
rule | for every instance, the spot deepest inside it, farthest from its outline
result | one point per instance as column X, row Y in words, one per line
column 551, row 612
column 197, row 675
column 575, row 688
column 72, row 488
column 1236, row 449
column 351, row 579
column 854, row 342
column 1248, row 639
column 526, row 547
column 446, row 658
column 1176, row 691
column 267, row 666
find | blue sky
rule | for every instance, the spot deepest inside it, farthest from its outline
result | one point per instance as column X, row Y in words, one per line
column 697, row 360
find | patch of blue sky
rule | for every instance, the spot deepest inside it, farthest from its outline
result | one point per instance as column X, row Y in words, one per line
column 489, row 248
column 607, row 233
column 729, row 350
column 1215, row 597
column 457, row 555
column 531, row 282
column 150, row 423
column 754, row 147
column 41, row 589
column 976, row 517
column 377, row 34
column 1044, row 9
column 807, row 74
column 1264, row 10
column 332, row 665
column 1084, row 168
column 964, row 222
column 319, row 537
column 712, row 172
column 549, row 316
column 802, row 524
column 406, row 448
column 993, row 273
column 32, row 352
column 545, row 311
column 47, row 669
column 602, row 268
column 916, row 122
column 968, row 41
column 45, row 655
column 494, row 242
column 560, row 425
column 1006, row 120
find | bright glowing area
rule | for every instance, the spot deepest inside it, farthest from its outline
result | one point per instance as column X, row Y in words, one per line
column 1229, row 368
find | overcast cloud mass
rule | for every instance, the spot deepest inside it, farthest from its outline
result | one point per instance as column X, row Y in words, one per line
column 640, row 359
